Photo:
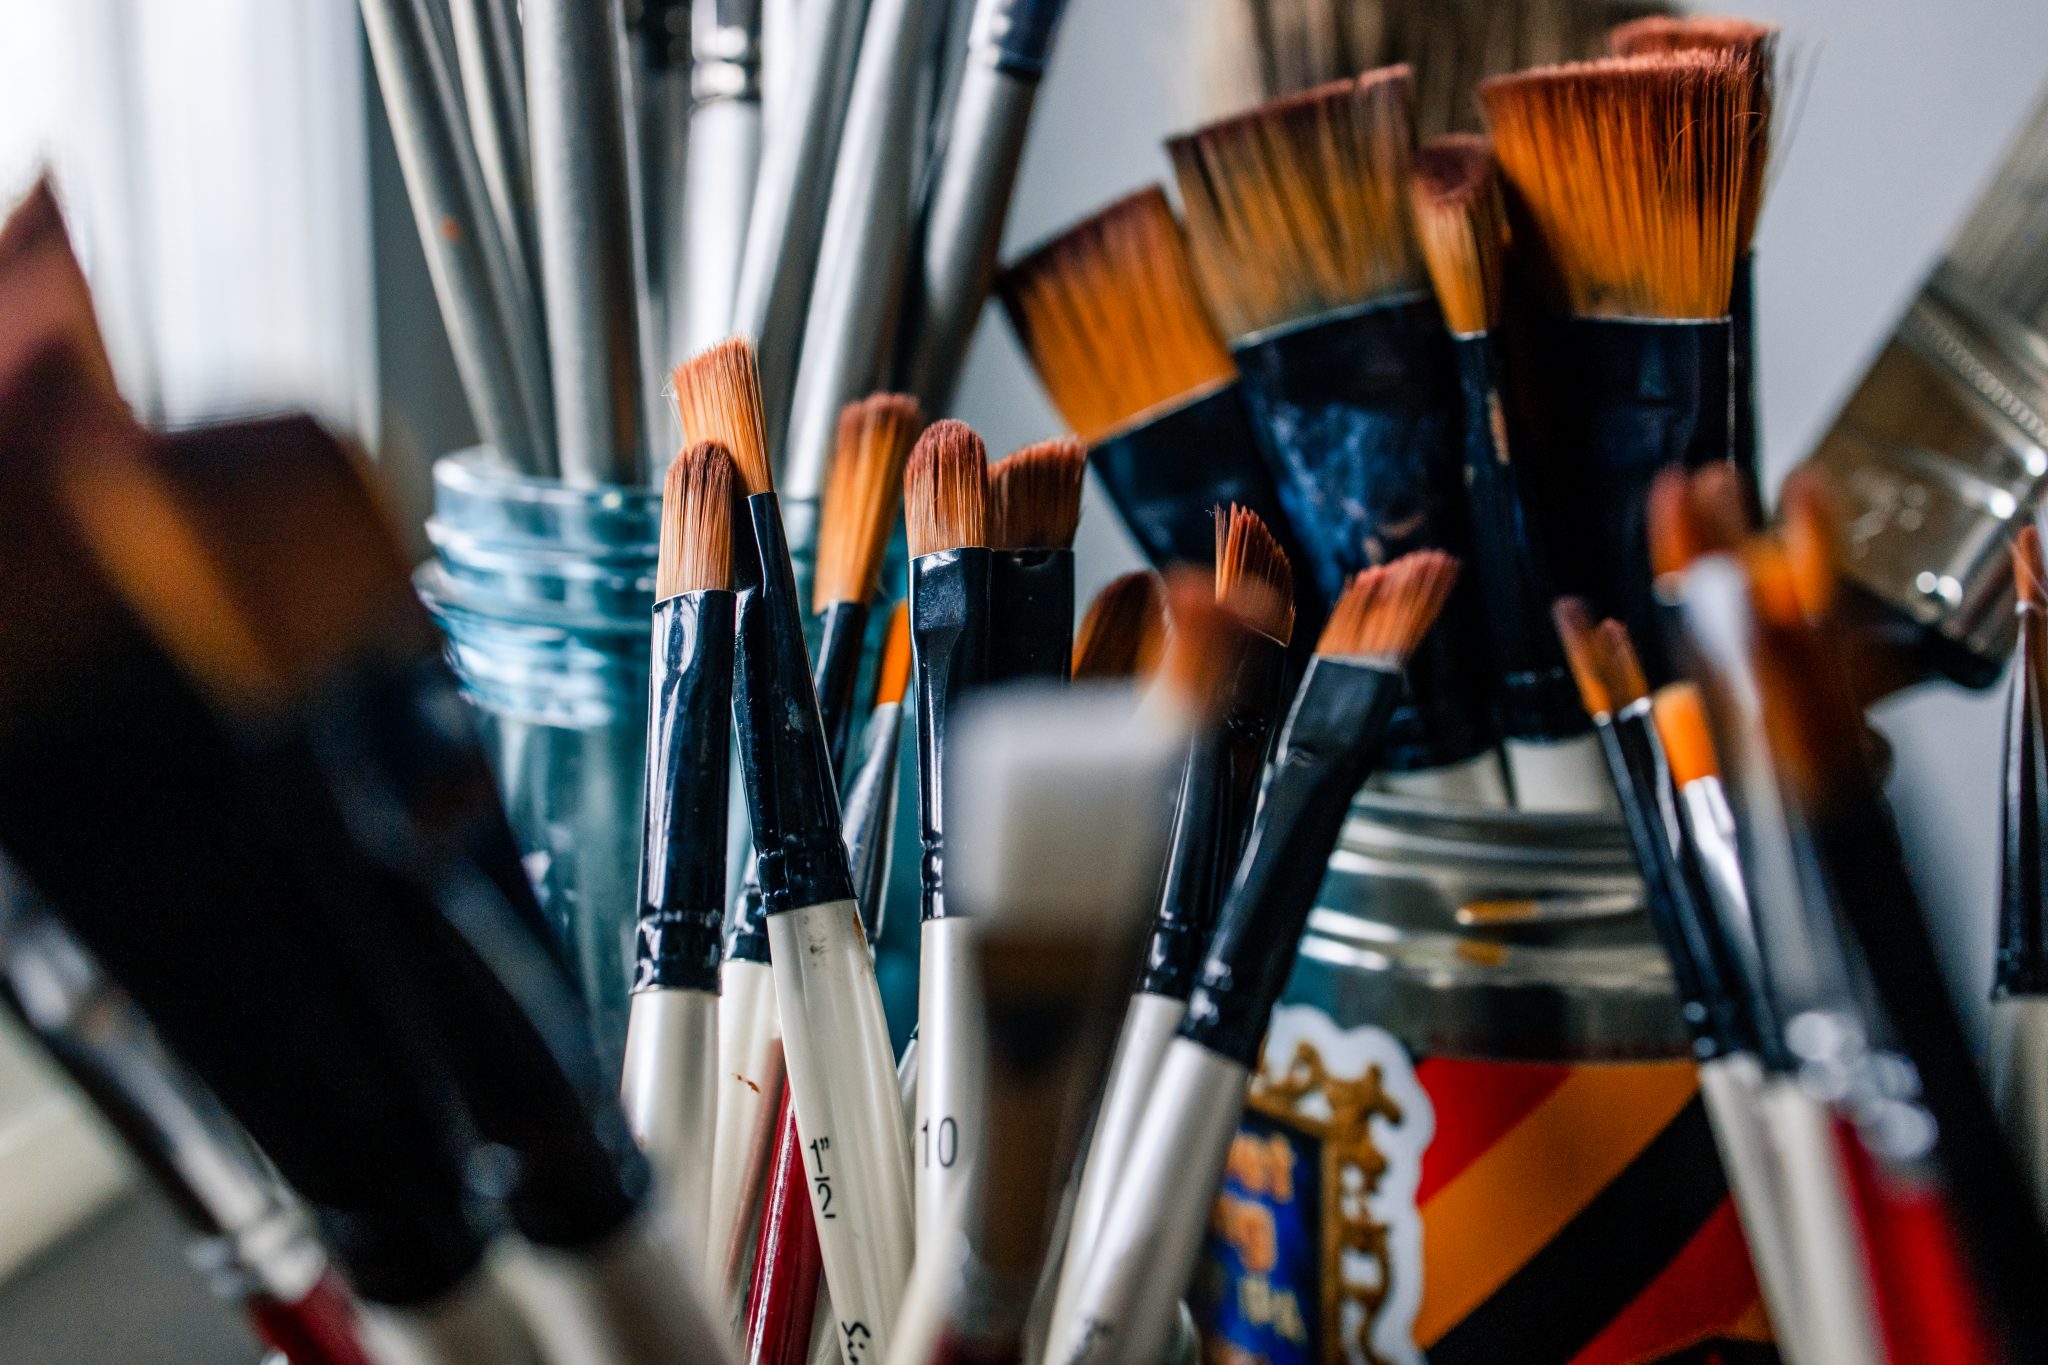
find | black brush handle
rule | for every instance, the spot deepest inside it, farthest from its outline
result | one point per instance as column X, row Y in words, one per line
column 682, row 862
column 1191, row 886
column 1252, row 703
column 792, row 801
column 1031, row 615
column 2022, row 962
column 1358, row 417
column 842, row 641
column 949, row 619
column 1743, row 435
column 1326, row 752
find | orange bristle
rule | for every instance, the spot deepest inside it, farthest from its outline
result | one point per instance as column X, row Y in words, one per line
column 43, row 292
column 1631, row 171
column 1675, row 539
column 1718, row 507
column 1681, row 716
column 1626, row 683
column 1253, row 578
column 695, row 550
column 2030, row 582
column 1583, row 651
column 861, row 492
column 1808, row 528
column 1202, row 643
column 718, row 398
column 1299, row 208
column 1461, row 219
column 1110, row 316
column 945, row 490
column 892, row 678
column 1773, row 586
column 1123, row 630
column 1035, row 496
column 1384, row 612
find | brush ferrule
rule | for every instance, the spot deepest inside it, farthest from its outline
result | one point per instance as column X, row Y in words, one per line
column 725, row 49
column 1031, row 614
column 1016, row 34
column 842, row 638
column 949, row 618
column 2022, row 962
column 682, row 861
column 1325, row 753
column 747, row 940
column 785, row 764
column 1191, row 885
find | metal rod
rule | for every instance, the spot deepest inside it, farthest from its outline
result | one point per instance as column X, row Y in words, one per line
column 725, row 157
column 494, row 90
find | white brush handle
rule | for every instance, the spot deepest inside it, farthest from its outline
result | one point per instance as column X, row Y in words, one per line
column 1838, row 1325
column 1559, row 775
column 1732, row 1088
column 630, row 1300
column 669, row 1097
column 2019, row 1083
column 906, row 1079
column 927, row 1303
column 748, row 1091
column 1126, row 1306
column 945, row 1129
column 475, row 1323
column 849, row 1114
column 1149, row 1027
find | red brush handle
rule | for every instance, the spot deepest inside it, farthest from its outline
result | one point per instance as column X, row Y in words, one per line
column 782, row 1301
column 319, row 1329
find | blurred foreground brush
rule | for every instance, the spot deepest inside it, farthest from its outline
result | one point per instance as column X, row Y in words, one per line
column 2018, row 1053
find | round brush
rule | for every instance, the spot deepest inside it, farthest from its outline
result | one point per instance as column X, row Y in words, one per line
column 1123, row 631
column 1034, row 510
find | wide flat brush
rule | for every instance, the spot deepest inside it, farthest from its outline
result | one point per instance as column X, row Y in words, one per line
column 1628, row 174
column 1461, row 221
column 669, row 1087
column 1034, row 510
column 841, row 1069
column 1124, row 1307
column 1123, row 631
column 2018, row 1053
column 1113, row 323
column 1301, row 236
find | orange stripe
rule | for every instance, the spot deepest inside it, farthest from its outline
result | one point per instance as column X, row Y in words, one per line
column 1706, row 1292
column 1475, row 1103
column 1504, row 1207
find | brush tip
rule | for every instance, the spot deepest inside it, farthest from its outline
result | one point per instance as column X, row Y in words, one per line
column 1626, row 682
column 718, row 398
column 1204, row 639
column 1384, row 612
column 1254, row 579
column 861, row 496
column 695, row 548
column 2030, row 580
column 1681, row 716
column 892, row 678
column 1461, row 221
column 1123, row 631
column 1035, row 496
column 1809, row 524
column 1578, row 633
column 945, row 489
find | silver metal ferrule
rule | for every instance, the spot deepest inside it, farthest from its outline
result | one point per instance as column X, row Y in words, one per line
column 725, row 49
column 1016, row 34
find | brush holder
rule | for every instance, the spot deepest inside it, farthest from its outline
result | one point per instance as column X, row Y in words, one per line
column 1475, row 1132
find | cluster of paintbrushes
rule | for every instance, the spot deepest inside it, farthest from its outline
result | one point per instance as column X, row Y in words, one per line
column 828, row 179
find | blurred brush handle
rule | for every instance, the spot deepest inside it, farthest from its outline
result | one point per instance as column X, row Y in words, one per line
column 720, row 166
column 631, row 1299
column 842, row 641
column 478, row 1322
column 946, row 1129
column 750, row 1076
column 1732, row 1089
column 320, row 1327
column 2019, row 1082
column 842, row 1079
column 1837, row 1315
column 670, row 1095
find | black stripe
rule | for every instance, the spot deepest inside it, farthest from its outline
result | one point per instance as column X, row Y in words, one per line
column 1623, row 1239
column 1722, row 1351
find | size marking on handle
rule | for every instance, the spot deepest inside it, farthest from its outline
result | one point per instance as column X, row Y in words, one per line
column 858, row 1340
column 947, row 1148
column 821, row 1183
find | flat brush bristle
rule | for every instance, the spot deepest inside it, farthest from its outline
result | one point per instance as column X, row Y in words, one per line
column 1632, row 171
column 1384, row 612
column 2029, row 579
column 945, row 490
column 1035, row 496
column 1681, row 716
column 1253, row 577
column 1461, row 219
column 1300, row 207
column 1123, row 630
column 1808, row 527
column 43, row 292
column 1582, row 650
column 1626, row 682
column 1110, row 316
column 861, row 495
column 696, row 522
column 892, row 678
column 718, row 398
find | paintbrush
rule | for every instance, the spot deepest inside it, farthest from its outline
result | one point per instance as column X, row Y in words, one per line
column 1123, row 630
column 862, row 495
column 969, row 191
column 841, row 1070
column 945, row 502
column 871, row 787
column 723, row 157
column 1755, row 47
column 43, row 293
column 2019, row 987
column 1109, row 315
column 1553, row 762
column 1629, row 174
column 583, row 225
column 669, row 1087
column 1034, row 509
column 1149, row 1240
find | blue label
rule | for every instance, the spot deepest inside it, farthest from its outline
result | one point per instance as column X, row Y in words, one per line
column 1258, row 1294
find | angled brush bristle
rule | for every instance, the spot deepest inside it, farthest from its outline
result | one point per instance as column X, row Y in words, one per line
column 1626, row 682
column 1681, row 715
column 696, row 522
column 1300, row 207
column 945, row 490
column 718, row 398
column 43, row 292
column 1461, row 219
column 1384, row 612
column 1253, row 578
column 1203, row 641
column 1035, row 496
column 892, row 678
column 861, row 496
column 1110, row 316
column 1123, row 630
column 1583, row 651
column 1631, row 171
column 2029, row 579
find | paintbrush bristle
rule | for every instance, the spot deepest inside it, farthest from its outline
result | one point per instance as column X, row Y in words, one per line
column 1681, row 716
column 861, row 496
column 1385, row 611
column 1253, row 578
column 892, row 677
column 696, row 522
column 718, row 398
column 2029, row 579
column 1676, row 538
column 945, row 490
column 43, row 291
column 1110, row 317
column 1582, row 651
column 1631, row 171
column 1300, row 208
column 1123, row 630
column 1626, row 682
column 1035, row 496
column 1808, row 527
column 1461, row 219
column 1203, row 641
